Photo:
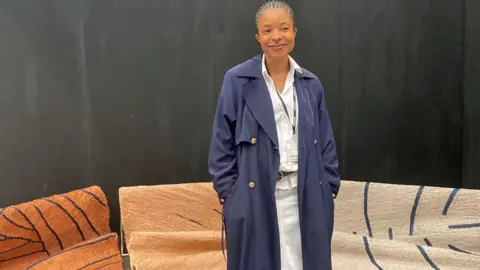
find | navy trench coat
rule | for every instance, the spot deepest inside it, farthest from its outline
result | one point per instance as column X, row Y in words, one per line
column 244, row 161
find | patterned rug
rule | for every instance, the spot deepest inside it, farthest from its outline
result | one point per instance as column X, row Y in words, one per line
column 382, row 226
column 377, row 226
column 64, row 231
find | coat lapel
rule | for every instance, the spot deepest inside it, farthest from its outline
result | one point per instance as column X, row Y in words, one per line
column 259, row 102
column 257, row 97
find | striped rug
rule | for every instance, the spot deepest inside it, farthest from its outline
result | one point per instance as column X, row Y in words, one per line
column 63, row 231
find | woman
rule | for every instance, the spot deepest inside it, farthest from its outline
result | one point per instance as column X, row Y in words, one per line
column 272, row 156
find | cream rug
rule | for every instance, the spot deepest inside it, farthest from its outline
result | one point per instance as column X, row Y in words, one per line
column 377, row 226
column 382, row 226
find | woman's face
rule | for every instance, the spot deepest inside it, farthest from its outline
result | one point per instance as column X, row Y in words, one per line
column 276, row 32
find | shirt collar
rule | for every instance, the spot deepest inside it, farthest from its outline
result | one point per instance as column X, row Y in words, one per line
column 293, row 66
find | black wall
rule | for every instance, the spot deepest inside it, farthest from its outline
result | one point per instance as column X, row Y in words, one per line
column 471, row 142
column 121, row 93
column 393, row 73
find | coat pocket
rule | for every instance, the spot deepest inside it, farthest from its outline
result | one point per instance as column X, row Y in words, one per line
column 236, row 222
column 328, row 202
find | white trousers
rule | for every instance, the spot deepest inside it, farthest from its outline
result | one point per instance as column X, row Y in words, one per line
column 286, row 197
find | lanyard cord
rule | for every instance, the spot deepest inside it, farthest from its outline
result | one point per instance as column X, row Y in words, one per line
column 294, row 122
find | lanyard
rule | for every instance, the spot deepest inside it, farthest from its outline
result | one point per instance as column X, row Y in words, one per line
column 294, row 122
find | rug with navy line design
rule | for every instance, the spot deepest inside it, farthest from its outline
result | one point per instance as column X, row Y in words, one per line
column 385, row 226
column 377, row 226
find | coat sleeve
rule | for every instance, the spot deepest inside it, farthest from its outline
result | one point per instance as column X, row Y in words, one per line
column 222, row 164
column 329, row 151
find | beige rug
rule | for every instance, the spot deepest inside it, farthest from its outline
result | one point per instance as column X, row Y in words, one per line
column 425, row 225
column 377, row 226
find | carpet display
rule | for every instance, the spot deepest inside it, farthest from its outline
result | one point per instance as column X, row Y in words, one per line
column 188, row 213
column 64, row 231
column 383, row 226
column 173, row 250
column 377, row 226
column 99, row 253
column 169, row 208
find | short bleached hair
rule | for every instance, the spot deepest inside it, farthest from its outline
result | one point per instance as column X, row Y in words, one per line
column 273, row 4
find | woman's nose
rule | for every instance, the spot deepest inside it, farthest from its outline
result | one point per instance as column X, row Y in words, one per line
column 276, row 37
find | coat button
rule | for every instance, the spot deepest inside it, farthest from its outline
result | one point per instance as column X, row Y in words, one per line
column 253, row 140
column 315, row 142
column 251, row 184
column 222, row 200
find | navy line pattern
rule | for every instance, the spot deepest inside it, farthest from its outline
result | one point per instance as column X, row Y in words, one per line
column 464, row 226
column 369, row 253
column 22, row 256
column 365, row 209
column 33, row 227
column 59, row 241
column 452, row 247
column 427, row 242
column 13, row 248
column 39, row 230
column 101, row 267
column 4, row 237
column 81, row 211
column 66, row 213
column 94, row 196
column 104, row 238
column 28, row 241
column 97, row 261
column 425, row 256
column 414, row 209
column 191, row 220
column 449, row 201
column 431, row 215
column 14, row 223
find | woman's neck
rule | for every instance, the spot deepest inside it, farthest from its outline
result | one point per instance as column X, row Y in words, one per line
column 277, row 66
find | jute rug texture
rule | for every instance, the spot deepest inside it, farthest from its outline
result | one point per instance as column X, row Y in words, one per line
column 377, row 226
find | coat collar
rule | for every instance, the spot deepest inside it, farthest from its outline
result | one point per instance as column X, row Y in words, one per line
column 253, row 69
column 294, row 67
column 259, row 102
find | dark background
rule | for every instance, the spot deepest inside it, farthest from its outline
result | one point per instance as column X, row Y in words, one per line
column 121, row 93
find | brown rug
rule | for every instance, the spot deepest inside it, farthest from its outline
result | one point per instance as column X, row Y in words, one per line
column 377, row 226
column 35, row 230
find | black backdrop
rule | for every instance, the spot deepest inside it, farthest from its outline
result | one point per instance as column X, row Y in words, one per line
column 121, row 93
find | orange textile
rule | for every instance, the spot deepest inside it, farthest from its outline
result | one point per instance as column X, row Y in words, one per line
column 182, row 229
column 170, row 208
column 99, row 253
column 176, row 250
column 33, row 231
